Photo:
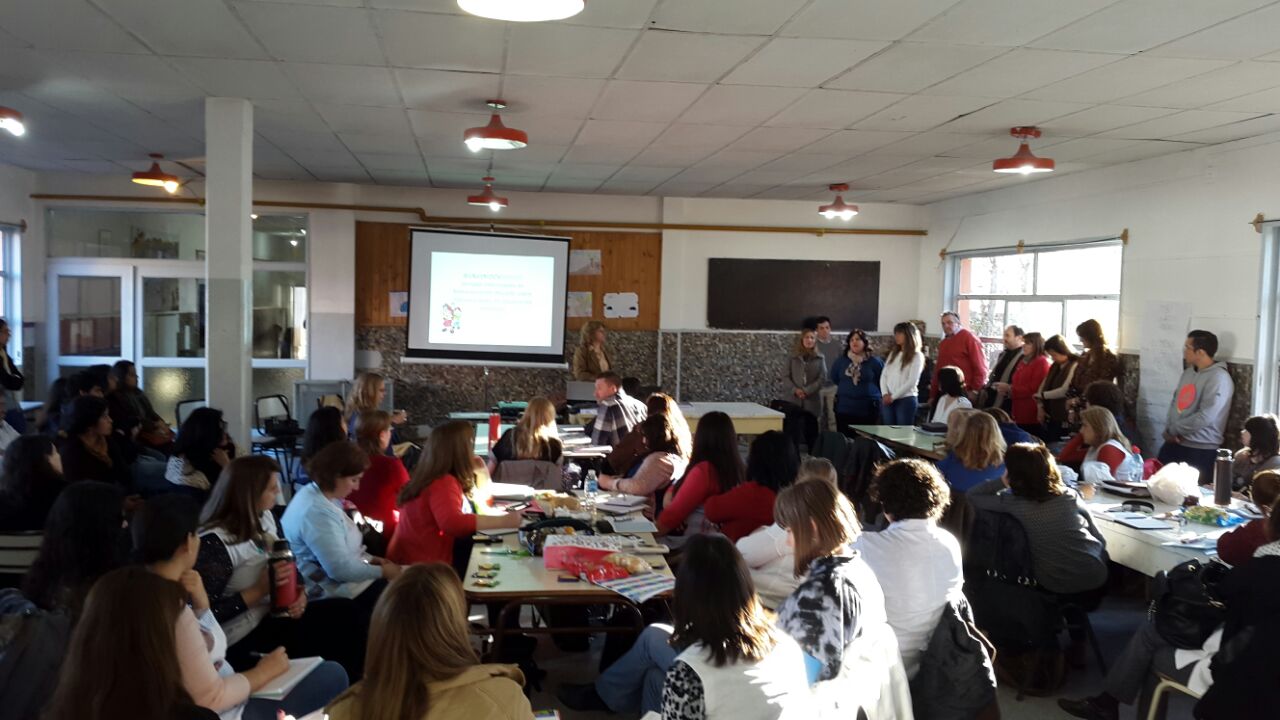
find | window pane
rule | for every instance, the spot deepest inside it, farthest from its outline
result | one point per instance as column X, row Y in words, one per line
column 996, row 275
column 89, row 315
column 984, row 318
column 278, row 381
column 281, row 238
column 173, row 317
column 166, row 387
column 4, row 309
column 1042, row 317
column 279, row 314
column 1106, row 312
column 108, row 233
column 1084, row 271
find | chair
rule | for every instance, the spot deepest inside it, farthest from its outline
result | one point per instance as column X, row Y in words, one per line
column 186, row 407
column 1166, row 684
column 18, row 551
column 537, row 474
column 275, row 431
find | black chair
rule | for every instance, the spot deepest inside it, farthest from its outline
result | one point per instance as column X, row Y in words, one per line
column 276, row 432
column 18, row 551
column 186, row 407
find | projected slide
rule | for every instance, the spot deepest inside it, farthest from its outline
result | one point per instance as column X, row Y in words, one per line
column 487, row 298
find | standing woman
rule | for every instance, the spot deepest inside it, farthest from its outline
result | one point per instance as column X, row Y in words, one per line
column 901, row 377
column 590, row 358
column 1261, row 440
column 367, row 393
column 1051, row 398
column 805, row 373
column 1031, row 370
column 438, row 508
column 380, row 486
column 715, row 468
column 1097, row 362
column 857, row 378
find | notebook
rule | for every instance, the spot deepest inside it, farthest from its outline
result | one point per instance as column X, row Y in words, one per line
column 299, row 668
column 1143, row 523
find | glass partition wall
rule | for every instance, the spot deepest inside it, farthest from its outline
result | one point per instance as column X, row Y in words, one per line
column 131, row 285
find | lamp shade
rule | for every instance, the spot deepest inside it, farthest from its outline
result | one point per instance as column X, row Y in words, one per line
column 838, row 208
column 488, row 198
column 12, row 121
column 523, row 10
column 155, row 177
column 1023, row 162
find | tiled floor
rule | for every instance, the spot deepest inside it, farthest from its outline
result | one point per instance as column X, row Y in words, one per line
column 1113, row 623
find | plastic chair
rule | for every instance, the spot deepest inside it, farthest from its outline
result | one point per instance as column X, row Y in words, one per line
column 1166, row 684
column 275, row 408
column 18, row 551
column 186, row 407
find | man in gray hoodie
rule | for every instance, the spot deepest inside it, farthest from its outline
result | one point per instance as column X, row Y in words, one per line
column 1197, row 417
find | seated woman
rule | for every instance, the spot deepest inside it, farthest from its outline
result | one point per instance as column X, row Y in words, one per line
column 534, row 437
column 238, row 532
column 375, row 497
column 1009, row 430
column 1261, row 440
column 766, row 551
column 1236, row 547
column 201, row 451
column 130, row 409
column 30, row 484
column 975, row 450
column 720, row 637
column 438, row 508
column 84, row 538
column 856, row 375
column 1069, row 554
column 1107, row 445
column 631, row 450
column 952, row 396
column 1100, row 393
column 326, row 542
column 916, row 562
column 421, row 665
column 326, row 425
column 91, row 451
column 772, row 464
column 663, row 462
column 165, row 542
column 714, row 468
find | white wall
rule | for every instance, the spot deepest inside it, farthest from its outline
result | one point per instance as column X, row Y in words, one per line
column 685, row 252
column 1189, row 237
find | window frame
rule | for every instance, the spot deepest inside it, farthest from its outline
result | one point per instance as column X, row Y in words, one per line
column 11, row 277
column 1266, row 384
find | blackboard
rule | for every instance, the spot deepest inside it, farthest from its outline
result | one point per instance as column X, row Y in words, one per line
column 780, row 294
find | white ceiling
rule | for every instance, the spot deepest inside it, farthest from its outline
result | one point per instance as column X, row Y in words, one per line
column 908, row 100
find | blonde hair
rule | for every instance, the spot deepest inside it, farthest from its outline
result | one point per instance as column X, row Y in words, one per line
column 418, row 634
column 535, row 430
column 799, row 350
column 980, row 444
column 820, row 519
column 817, row 468
column 957, row 421
column 364, row 392
column 450, row 449
column 587, row 335
column 663, row 404
column 370, row 428
column 1104, row 426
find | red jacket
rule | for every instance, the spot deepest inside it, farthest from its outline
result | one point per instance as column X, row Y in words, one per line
column 431, row 522
column 1237, row 547
column 700, row 483
column 964, row 350
column 376, row 496
column 741, row 510
column 1026, row 381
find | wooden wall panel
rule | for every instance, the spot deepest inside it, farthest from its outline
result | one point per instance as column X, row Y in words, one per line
column 630, row 262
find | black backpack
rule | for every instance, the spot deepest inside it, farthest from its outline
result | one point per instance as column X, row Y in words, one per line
column 1186, row 609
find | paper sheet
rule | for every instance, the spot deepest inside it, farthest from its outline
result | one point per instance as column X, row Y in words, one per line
column 579, row 304
column 585, row 262
column 639, row 588
column 278, row 688
column 1164, row 329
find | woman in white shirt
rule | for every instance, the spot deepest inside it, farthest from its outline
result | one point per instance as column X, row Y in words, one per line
column 901, row 376
column 952, row 397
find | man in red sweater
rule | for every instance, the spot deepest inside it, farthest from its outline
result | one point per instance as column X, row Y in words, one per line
column 963, row 349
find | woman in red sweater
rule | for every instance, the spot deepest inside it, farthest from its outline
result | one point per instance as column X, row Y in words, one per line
column 376, row 496
column 438, row 508
column 772, row 464
column 715, row 468
column 1237, row 547
column 1032, row 368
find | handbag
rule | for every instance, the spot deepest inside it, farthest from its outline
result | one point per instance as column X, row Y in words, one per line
column 1186, row 609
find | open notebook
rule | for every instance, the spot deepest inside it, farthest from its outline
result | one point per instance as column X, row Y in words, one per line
column 299, row 668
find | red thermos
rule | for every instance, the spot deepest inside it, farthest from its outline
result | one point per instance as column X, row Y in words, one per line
column 495, row 421
column 282, row 569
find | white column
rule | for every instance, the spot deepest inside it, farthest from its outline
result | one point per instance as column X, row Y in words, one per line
column 228, row 131
column 332, row 257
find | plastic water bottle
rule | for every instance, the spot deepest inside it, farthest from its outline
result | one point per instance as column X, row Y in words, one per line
column 591, row 485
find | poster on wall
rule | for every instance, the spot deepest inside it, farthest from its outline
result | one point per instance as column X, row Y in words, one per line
column 398, row 303
column 579, row 304
column 1164, row 329
column 621, row 305
column 585, row 262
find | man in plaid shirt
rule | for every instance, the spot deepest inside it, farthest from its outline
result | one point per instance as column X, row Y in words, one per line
column 616, row 411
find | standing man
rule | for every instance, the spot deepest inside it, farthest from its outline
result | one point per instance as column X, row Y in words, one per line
column 1197, row 417
column 830, row 348
column 996, row 393
column 961, row 348
column 616, row 411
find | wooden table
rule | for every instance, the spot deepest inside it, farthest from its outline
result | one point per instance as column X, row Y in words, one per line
column 905, row 438
column 748, row 418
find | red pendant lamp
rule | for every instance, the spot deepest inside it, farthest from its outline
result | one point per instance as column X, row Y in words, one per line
column 12, row 121
column 1023, row 162
column 495, row 135
column 838, row 208
column 488, row 198
column 155, row 177
column 523, row 10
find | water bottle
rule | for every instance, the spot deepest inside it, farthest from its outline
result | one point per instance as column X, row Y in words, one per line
column 591, row 485
column 282, row 571
column 495, row 420
column 1222, row 478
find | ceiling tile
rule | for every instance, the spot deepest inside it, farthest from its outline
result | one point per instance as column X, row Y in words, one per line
column 1102, row 118
column 1234, row 131
column 920, row 112
column 779, row 139
column 610, row 13
column 673, row 156
column 325, row 158
column 409, row 178
column 132, row 77
column 1019, row 71
column 250, row 79
column 360, row 119
column 67, row 25
column 340, row 174
column 641, row 173
column 286, row 116
column 864, row 20
column 738, row 160
column 713, row 175
column 619, row 132
column 1214, row 86
column 645, row 101
column 440, row 7
column 356, row 3
column 1133, row 26
column 1143, row 149
column 581, row 171
column 926, row 144
column 600, row 154
column 345, row 84
column 725, row 16
column 1081, row 148
column 912, row 67
column 848, row 143
column 392, row 144
column 391, row 161
column 1265, row 101
column 472, row 169
column 185, row 27
column 437, row 125
column 304, row 33
column 568, row 97
column 740, row 105
column 567, row 50
column 1246, row 37
column 613, row 186
column 534, row 155
column 442, row 42
column 1177, row 124
column 1000, row 22
column 552, row 130
column 446, row 91
column 1120, row 79
column 833, row 109
column 442, row 147
column 685, row 57
column 1005, row 114
column 801, row 62
column 704, row 137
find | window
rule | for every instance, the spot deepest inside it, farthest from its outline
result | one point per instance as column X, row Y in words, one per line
column 11, row 287
column 1048, row 291
column 1266, row 383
